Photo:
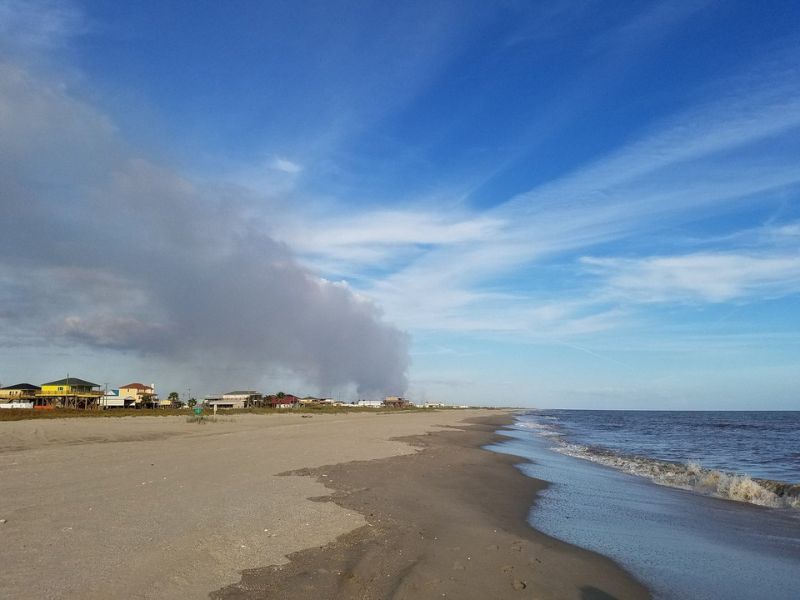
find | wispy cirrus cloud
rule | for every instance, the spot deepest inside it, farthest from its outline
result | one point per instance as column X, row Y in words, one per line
column 480, row 271
column 381, row 239
column 703, row 277
column 719, row 156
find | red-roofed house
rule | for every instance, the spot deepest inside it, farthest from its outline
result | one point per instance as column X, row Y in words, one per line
column 282, row 400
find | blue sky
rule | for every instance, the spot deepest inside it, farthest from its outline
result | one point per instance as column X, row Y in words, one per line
column 573, row 204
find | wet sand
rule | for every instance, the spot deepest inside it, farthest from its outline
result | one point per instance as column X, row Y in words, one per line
column 447, row 522
column 155, row 507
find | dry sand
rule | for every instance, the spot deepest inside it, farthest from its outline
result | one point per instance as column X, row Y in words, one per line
column 155, row 507
column 449, row 522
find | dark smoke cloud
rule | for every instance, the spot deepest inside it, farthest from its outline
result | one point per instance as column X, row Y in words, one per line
column 102, row 247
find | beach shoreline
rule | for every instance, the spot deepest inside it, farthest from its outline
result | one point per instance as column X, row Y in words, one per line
column 447, row 521
column 162, row 508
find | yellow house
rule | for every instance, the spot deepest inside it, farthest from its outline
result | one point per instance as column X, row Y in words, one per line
column 69, row 387
column 69, row 393
column 21, row 391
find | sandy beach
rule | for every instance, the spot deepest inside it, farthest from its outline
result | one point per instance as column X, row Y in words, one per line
column 393, row 505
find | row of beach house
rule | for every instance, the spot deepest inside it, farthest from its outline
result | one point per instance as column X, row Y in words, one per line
column 75, row 393
column 252, row 399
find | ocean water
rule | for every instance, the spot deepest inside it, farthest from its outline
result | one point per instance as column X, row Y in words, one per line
column 746, row 456
column 695, row 505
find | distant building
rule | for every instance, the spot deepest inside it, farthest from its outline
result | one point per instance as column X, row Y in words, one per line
column 370, row 403
column 282, row 400
column 314, row 400
column 248, row 398
column 139, row 395
column 18, row 391
column 395, row 402
column 112, row 399
column 70, row 392
column 216, row 400
column 236, row 399
column 21, row 395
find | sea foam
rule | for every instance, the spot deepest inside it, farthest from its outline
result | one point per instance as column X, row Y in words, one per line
column 694, row 477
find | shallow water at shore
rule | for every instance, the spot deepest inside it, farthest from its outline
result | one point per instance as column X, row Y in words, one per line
column 681, row 544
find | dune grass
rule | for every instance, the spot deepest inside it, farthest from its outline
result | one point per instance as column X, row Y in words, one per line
column 20, row 414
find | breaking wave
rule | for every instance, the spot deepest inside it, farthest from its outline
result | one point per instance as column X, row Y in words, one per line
column 690, row 476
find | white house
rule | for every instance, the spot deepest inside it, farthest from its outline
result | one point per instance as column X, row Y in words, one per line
column 246, row 398
column 237, row 399
column 112, row 399
column 370, row 403
column 216, row 400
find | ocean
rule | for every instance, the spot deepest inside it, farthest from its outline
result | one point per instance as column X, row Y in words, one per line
column 700, row 505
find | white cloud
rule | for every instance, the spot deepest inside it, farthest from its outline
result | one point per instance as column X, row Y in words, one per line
column 788, row 230
column 381, row 238
column 770, row 106
column 709, row 277
column 285, row 165
column 705, row 161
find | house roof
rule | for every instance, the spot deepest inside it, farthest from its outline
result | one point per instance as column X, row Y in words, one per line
column 243, row 393
column 135, row 386
column 73, row 381
column 285, row 399
column 21, row 386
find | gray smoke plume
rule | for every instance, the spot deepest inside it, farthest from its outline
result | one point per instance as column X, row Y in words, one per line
column 105, row 248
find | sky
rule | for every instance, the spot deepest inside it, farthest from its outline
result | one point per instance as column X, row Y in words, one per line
column 556, row 204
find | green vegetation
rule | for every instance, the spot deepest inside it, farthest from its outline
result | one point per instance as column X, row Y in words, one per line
column 20, row 414
column 62, row 413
